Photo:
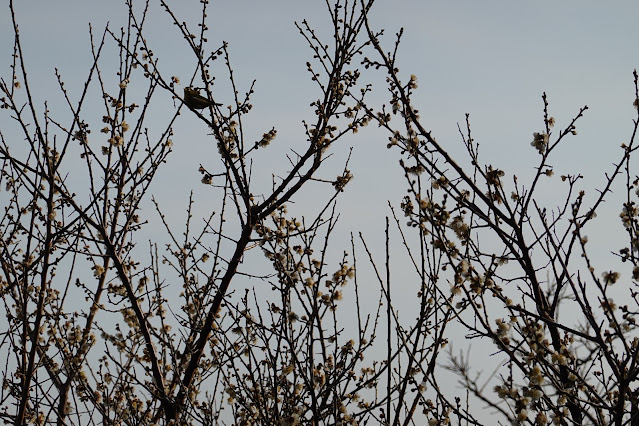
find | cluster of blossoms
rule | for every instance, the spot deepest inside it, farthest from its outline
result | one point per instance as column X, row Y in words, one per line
column 540, row 142
column 267, row 138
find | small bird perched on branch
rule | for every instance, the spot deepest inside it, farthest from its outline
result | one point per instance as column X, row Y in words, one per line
column 194, row 100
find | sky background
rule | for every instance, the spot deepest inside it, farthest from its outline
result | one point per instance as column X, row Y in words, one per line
column 491, row 59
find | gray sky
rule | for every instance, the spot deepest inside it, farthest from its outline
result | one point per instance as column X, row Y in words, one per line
column 492, row 59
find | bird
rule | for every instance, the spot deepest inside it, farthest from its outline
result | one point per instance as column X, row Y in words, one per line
column 194, row 100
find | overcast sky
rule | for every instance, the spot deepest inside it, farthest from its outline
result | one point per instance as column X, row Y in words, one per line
column 492, row 59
